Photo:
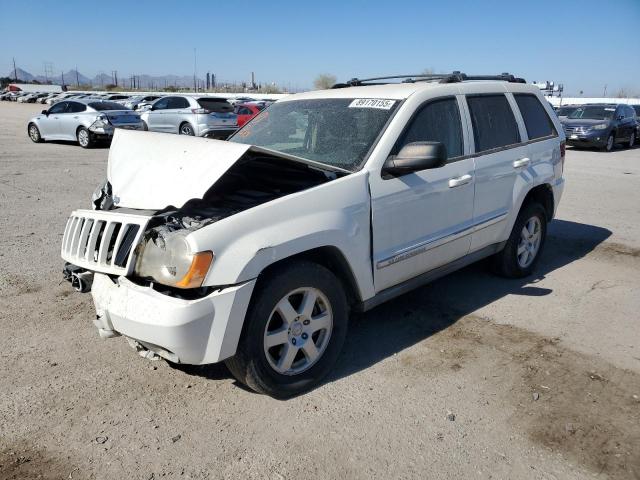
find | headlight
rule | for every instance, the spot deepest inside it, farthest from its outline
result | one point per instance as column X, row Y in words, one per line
column 166, row 257
column 600, row 126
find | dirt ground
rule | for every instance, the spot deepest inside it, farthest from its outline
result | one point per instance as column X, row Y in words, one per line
column 472, row 377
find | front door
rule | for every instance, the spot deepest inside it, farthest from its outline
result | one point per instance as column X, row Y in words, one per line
column 422, row 220
column 155, row 117
column 50, row 126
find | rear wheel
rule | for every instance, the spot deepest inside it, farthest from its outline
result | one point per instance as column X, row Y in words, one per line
column 34, row 133
column 632, row 140
column 186, row 129
column 522, row 250
column 84, row 138
column 294, row 331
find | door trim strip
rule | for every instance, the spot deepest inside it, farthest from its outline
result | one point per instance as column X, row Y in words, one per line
column 422, row 247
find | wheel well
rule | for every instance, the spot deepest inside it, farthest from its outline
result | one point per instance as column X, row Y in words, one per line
column 543, row 194
column 185, row 122
column 330, row 258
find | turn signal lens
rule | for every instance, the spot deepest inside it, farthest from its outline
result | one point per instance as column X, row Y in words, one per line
column 197, row 271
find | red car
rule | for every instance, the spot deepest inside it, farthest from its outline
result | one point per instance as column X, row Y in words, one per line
column 246, row 111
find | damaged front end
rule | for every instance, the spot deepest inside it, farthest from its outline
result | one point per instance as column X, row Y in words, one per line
column 128, row 235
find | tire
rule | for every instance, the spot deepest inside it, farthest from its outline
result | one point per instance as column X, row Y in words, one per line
column 611, row 142
column 34, row 133
column 512, row 261
column 85, row 139
column 632, row 140
column 290, row 366
column 145, row 127
column 186, row 129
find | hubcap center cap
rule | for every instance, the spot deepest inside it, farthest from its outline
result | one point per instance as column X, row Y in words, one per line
column 296, row 329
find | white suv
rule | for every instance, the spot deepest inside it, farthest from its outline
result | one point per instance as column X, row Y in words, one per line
column 255, row 250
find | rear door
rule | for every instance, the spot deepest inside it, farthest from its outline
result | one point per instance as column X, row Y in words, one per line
column 178, row 111
column 70, row 120
column 501, row 162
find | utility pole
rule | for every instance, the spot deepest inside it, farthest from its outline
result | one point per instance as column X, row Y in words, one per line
column 62, row 73
column 195, row 85
column 604, row 94
column 15, row 73
column 77, row 79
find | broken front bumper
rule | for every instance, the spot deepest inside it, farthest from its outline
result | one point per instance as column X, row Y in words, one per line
column 195, row 332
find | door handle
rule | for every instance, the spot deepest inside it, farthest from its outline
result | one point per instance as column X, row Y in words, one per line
column 459, row 181
column 523, row 162
column 75, row 116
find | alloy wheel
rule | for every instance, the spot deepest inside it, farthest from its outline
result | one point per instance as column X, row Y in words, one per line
column 298, row 331
column 529, row 243
column 34, row 134
column 83, row 138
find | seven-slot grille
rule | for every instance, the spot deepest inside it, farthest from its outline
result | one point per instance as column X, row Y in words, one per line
column 102, row 241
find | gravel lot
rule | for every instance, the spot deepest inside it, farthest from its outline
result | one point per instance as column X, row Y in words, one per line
column 471, row 377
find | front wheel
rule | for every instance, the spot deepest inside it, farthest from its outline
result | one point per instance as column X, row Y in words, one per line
column 85, row 139
column 294, row 331
column 34, row 133
column 522, row 250
column 611, row 141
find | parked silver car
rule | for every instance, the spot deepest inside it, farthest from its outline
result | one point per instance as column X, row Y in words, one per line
column 85, row 121
column 137, row 100
column 202, row 117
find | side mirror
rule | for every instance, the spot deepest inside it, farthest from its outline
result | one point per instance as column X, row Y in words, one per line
column 45, row 112
column 620, row 117
column 414, row 157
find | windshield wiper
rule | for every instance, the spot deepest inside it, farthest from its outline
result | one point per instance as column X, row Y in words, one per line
column 295, row 158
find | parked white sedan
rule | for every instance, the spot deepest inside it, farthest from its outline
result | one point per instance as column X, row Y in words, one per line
column 84, row 121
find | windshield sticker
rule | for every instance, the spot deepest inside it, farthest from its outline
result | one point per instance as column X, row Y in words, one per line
column 372, row 103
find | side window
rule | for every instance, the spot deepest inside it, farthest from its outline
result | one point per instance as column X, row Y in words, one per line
column 437, row 121
column 161, row 104
column 631, row 112
column 75, row 107
column 59, row 107
column 493, row 122
column 535, row 117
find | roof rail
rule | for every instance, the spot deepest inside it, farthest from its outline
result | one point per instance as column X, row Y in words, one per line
column 453, row 77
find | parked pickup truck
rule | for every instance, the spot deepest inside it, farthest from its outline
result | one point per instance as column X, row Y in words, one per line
column 255, row 250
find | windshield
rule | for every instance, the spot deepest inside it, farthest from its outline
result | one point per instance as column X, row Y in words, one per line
column 100, row 106
column 337, row 132
column 564, row 111
column 595, row 112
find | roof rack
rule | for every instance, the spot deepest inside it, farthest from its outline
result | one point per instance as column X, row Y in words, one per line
column 453, row 77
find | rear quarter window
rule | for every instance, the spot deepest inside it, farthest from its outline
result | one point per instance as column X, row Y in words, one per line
column 535, row 117
column 494, row 124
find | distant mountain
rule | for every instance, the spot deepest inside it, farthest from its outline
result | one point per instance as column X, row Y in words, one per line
column 21, row 74
column 142, row 81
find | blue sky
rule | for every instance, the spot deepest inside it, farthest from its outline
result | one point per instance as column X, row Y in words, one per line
column 583, row 43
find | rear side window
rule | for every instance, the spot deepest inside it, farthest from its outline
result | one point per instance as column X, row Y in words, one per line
column 437, row 121
column 493, row 122
column 535, row 117
column 218, row 105
column 75, row 107
column 102, row 106
column 178, row 102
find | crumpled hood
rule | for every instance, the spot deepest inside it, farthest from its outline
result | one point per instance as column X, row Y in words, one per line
column 151, row 171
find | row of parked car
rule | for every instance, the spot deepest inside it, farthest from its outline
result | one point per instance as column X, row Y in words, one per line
column 92, row 118
column 600, row 125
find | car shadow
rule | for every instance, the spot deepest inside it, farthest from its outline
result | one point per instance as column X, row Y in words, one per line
column 69, row 143
column 421, row 313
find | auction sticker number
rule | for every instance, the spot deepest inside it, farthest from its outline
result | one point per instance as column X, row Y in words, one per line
column 372, row 103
